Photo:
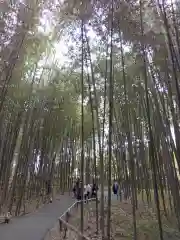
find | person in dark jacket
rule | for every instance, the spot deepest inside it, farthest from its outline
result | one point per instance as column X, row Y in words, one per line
column 94, row 190
column 49, row 190
column 75, row 187
column 115, row 187
column 74, row 191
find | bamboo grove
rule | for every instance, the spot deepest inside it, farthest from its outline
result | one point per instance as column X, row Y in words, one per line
column 111, row 111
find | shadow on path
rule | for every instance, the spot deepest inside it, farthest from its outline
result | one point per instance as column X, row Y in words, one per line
column 34, row 226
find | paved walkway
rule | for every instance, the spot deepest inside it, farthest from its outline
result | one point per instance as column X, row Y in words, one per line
column 34, row 226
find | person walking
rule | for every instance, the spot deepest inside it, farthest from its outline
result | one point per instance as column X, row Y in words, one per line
column 79, row 190
column 115, row 188
column 94, row 190
column 49, row 190
column 74, row 191
column 87, row 191
column 76, row 188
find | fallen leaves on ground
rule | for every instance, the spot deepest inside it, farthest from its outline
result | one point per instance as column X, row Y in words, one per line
column 121, row 224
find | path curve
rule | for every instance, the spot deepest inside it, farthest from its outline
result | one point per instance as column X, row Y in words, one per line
column 34, row 226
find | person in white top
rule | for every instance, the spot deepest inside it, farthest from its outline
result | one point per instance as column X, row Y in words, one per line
column 87, row 191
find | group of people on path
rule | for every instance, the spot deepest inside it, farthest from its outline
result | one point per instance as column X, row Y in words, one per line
column 89, row 190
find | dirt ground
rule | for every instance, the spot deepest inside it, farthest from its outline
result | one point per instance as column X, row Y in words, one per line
column 121, row 224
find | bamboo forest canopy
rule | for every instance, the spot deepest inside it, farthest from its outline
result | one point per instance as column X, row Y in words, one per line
column 112, row 94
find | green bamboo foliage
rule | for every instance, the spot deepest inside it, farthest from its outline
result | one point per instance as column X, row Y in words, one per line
column 127, row 124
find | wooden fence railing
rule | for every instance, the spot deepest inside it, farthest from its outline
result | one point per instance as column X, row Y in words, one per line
column 66, row 229
column 64, row 224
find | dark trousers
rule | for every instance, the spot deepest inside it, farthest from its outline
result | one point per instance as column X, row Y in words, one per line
column 115, row 191
column 87, row 195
